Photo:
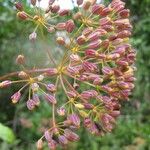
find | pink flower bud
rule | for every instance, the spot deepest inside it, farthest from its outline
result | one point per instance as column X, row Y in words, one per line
column 48, row 136
column 105, row 21
column 71, row 136
column 63, row 12
column 39, row 144
column 61, row 111
column 90, row 53
column 61, row 26
column 75, row 120
column 86, row 5
column 33, row 36
column 93, row 36
column 50, row 98
column 70, row 26
column 71, row 94
column 106, row 11
column 97, row 8
column 16, row 97
column 23, row 75
column 51, row 2
column 107, row 71
column 89, row 67
column 20, row 59
column 108, row 28
column 60, row 40
column 87, row 31
column 30, row 104
column 62, row 140
column 77, row 16
column 51, row 29
column 81, row 40
column 88, row 106
column 94, row 44
column 115, row 113
column 88, row 94
column 124, row 34
column 5, row 83
column 51, row 87
column 121, row 22
column 122, row 63
column 55, row 8
column 125, row 13
column 33, row 2
column 36, row 99
column 79, row 2
column 19, row 6
column 97, row 81
column 22, row 15
column 52, row 145
column 73, row 70
column 74, row 58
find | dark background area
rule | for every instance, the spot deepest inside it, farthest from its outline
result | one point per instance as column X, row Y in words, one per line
column 132, row 131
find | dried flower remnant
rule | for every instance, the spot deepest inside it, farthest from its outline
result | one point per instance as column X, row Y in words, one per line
column 97, row 54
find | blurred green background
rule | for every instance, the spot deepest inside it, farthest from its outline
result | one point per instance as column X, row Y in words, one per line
column 133, row 127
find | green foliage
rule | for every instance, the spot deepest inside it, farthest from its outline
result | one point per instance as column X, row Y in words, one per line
column 6, row 134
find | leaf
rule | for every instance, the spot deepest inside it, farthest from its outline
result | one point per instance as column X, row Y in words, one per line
column 6, row 134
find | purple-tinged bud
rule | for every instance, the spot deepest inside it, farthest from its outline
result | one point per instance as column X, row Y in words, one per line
column 90, row 53
column 51, row 87
column 36, row 99
column 87, row 31
column 122, row 63
column 108, row 28
column 71, row 94
column 94, row 44
column 70, row 26
column 107, row 71
column 77, row 16
column 121, row 22
column 89, row 67
column 74, row 119
column 125, row 13
column 79, row 2
column 124, row 34
column 52, row 145
column 16, row 97
column 107, row 88
column 73, row 70
column 51, row 29
column 105, row 21
column 51, row 71
column 71, row 136
column 93, row 36
column 87, row 122
column 5, row 83
column 50, row 98
column 61, row 26
column 19, row 6
column 86, row 5
column 63, row 12
column 39, row 144
column 74, row 58
column 34, row 87
column 117, row 41
column 23, row 75
column 48, row 136
column 88, row 94
column 22, row 15
column 123, row 85
column 61, row 111
column 97, row 8
column 60, row 40
column 115, row 113
column 97, row 81
column 51, row 2
column 33, row 36
column 118, row 7
column 106, row 11
column 88, row 106
column 30, row 104
column 33, row 2
column 20, row 59
column 55, row 8
column 62, row 140
column 113, row 56
column 81, row 40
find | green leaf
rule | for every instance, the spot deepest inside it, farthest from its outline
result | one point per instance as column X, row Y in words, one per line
column 6, row 134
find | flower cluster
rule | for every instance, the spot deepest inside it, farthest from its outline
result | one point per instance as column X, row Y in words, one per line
column 97, row 54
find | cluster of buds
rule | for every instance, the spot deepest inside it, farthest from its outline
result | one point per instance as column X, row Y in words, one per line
column 97, row 54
